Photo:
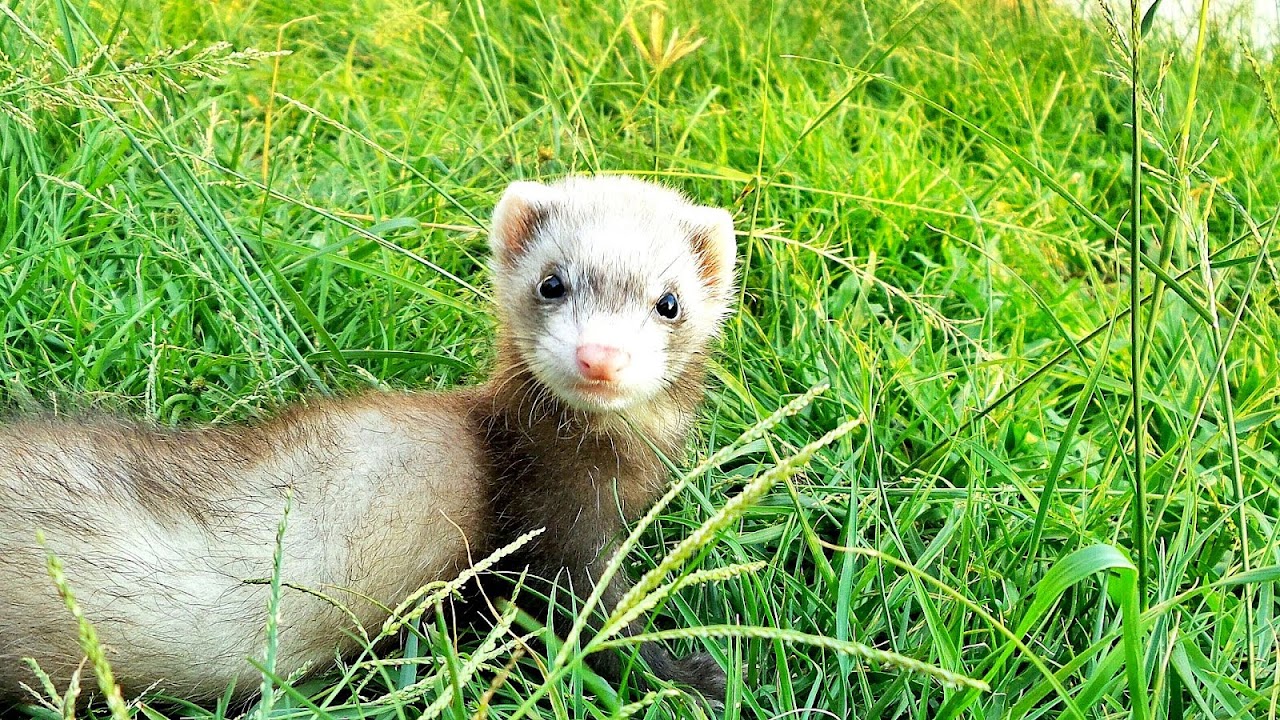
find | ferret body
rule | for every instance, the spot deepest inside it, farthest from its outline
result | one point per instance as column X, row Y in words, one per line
column 158, row 532
column 609, row 291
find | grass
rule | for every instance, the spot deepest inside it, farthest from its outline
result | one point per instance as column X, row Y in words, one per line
column 942, row 216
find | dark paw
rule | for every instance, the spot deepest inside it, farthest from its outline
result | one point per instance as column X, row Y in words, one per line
column 701, row 672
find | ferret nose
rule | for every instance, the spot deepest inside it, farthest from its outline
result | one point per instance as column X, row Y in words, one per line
column 601, row 362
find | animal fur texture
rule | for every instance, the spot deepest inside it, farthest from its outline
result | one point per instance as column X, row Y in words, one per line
column 159, row 530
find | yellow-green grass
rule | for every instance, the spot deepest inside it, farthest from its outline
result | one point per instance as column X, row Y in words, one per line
column 935, row 203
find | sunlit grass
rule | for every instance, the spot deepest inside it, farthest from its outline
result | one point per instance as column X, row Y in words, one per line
column 937, row 219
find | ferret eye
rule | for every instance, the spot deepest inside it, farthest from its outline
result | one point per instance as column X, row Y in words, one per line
column 667, row 306
column 552, row 287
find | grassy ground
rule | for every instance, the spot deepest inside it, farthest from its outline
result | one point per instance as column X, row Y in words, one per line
column 936, row 206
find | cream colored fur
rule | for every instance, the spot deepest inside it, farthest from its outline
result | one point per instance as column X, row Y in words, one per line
column 383, row 490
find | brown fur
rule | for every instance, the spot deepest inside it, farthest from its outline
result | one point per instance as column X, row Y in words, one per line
column 583, row 478
column 160, row 530
column 709, row 268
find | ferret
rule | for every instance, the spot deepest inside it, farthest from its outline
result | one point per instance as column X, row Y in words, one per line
column 609, row 292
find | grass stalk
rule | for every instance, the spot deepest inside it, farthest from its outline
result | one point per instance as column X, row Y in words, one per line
column 1139, row 460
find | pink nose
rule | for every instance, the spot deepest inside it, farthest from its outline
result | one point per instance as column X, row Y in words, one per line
column 601, row 362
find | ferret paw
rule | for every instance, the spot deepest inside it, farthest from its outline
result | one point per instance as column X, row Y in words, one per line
column 701, row 672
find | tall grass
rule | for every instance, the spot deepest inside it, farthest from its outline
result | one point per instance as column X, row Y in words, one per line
column 1031, row 257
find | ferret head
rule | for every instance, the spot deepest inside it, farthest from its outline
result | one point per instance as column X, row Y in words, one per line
column 609, row 288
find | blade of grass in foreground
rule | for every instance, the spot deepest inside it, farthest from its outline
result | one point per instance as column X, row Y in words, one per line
column 89, row 643
column 978, row 610
column 564, row 662
column 1139, row 507
column 1065, row 574
column 846, row 647
column 273, row 614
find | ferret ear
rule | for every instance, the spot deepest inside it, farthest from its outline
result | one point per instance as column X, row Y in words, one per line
column 714, row 244
column 523, row 208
